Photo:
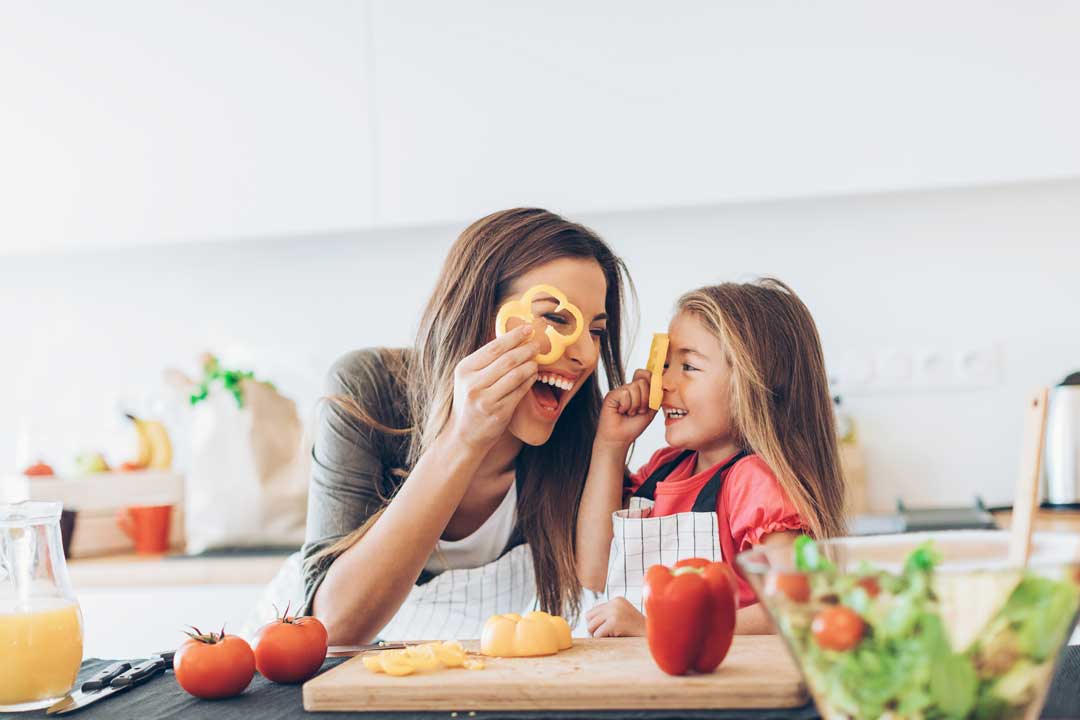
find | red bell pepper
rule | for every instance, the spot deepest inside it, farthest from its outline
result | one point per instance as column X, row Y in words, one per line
column 690, row 614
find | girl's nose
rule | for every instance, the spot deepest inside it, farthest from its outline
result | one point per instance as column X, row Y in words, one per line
column 667, row 381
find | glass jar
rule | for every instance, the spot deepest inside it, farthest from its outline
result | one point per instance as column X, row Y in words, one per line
column 41, row 629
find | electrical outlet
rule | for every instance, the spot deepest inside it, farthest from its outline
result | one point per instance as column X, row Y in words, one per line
column 898, row 369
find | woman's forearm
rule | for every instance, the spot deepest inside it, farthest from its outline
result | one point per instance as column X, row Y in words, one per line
column 366, row 584
column 601, row 497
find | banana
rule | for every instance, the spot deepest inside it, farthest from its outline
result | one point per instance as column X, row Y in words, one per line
column 146, row 448
column 155, row 449
column 161, row 455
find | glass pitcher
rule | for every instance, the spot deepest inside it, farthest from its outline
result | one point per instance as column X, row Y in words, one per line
column 41, row 633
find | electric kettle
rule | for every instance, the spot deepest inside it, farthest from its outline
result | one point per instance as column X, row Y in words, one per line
column 1061, row 473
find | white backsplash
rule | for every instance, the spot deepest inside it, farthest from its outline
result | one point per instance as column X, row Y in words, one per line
column 982, row 268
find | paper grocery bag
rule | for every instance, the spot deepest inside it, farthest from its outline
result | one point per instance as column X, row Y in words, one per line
column 248, row 477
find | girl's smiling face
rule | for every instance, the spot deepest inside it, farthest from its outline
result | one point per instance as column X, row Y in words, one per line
column 697, row 389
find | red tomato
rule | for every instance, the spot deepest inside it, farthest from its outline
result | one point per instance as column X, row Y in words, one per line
column 838, row 628
column 214, row 666
column 870, row 585
column 795, row 585
column 290, row 649
column 38, row 469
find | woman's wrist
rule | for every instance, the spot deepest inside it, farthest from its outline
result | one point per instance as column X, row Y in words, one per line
column 453, row 443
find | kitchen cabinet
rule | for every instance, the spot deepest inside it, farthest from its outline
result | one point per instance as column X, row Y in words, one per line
column 131, row 123
column 620, row 105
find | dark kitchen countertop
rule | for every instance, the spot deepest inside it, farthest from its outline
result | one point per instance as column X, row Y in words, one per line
column 162, row 698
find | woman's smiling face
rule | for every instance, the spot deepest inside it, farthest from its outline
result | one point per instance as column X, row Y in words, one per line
column 583, row 282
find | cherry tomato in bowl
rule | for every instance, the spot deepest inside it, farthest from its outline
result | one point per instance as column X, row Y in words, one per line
column 214, row 665
column 838, row 628
column 796, row 586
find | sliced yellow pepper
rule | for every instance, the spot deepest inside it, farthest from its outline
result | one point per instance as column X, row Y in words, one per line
column 657, row 359
column 422, row 657
column 450, row 654
column 521, row 308
column 396, row 662
column 429, row 656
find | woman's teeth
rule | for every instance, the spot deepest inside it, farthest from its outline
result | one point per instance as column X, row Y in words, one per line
column 556, row 381
column 673, row 413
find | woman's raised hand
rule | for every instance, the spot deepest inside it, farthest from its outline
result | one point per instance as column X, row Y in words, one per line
column 489, row 384
column 625, row 412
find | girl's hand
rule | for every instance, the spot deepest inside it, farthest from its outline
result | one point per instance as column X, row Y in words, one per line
column 615, row 618
column 489, row 384
column 625, row 412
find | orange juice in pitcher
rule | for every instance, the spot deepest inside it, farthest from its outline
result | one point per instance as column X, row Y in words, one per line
column 40, row 622
column 40, row 651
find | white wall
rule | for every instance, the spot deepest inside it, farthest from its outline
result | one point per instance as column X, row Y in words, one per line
column 127, row 123
column 949, row 269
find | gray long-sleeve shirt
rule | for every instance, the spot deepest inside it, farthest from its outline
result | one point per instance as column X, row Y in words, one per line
column 352, row 462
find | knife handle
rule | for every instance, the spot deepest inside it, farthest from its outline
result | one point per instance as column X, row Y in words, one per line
column 106, row 676
column 140, row 673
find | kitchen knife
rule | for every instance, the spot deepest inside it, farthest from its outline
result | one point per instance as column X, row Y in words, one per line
column 94, row 685
column 349, row 650
column 110, row 684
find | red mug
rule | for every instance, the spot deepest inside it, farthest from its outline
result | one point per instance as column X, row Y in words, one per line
column 148, row 526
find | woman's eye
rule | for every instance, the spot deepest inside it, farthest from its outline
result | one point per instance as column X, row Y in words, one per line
column 688, row 368
column 599, row 332
column 557, row 319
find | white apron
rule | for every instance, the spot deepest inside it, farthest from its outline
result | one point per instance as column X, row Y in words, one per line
column 455, row 604
column 640, row 541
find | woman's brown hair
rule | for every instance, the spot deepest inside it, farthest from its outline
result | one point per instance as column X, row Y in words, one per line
column 779, row 391
column 458, row 319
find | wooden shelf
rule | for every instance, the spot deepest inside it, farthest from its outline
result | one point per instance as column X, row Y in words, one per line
column 171, row 570
column 1045, row 520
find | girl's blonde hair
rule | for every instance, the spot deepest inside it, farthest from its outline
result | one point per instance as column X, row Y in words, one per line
column 780, row 401
column 459, row 318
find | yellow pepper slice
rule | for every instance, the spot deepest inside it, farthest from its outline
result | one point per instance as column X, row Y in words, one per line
column 396, row 662
column 521, row 308
column 657, row 358
column 422, row 657
column 450, row 654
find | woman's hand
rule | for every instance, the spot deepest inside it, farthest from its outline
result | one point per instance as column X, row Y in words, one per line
column 489, row 384
column 615, row 618
column 625, row 412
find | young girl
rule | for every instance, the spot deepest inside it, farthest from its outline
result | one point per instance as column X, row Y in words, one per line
column 752, row 454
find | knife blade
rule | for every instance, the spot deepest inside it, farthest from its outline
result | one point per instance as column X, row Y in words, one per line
column 96, row 682
column 129, row 678
column 350, row 650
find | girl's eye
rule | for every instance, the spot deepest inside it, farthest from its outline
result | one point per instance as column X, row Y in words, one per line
column 557, row 319
column 688, row 368
column 599, row 333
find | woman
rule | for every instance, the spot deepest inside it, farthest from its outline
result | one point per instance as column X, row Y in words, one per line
column 447, row 477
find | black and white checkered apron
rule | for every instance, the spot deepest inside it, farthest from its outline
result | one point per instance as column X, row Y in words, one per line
column 640, row 541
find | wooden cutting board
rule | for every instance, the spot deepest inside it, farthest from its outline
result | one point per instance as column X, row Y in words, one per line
column 595, row 674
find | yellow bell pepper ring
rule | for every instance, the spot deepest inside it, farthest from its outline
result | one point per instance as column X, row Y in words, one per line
column 521, row 308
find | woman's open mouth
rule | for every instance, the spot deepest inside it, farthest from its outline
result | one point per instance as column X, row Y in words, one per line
column 548, row 393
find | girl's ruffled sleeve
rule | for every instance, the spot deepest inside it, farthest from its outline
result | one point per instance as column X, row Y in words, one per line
column 756, row 504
